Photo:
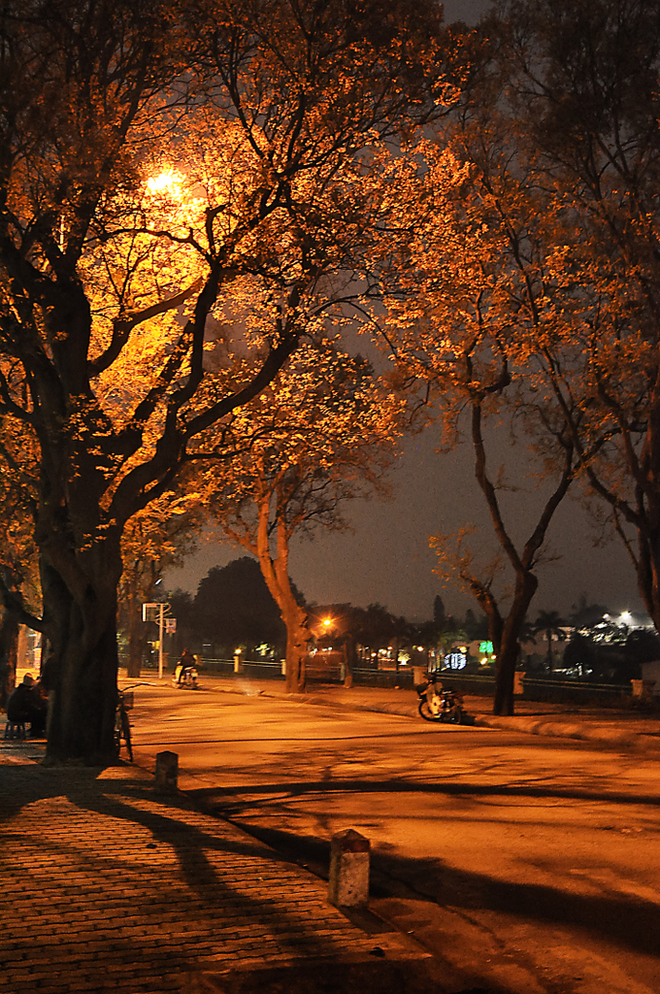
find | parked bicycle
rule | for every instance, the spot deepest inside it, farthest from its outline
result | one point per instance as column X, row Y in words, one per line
column 122, row 723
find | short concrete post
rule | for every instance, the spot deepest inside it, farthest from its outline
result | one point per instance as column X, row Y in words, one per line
column 167, row 772
column 348, row 885
column 643, row 689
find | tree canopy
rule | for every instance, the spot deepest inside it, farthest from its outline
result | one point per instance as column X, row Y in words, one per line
column 527, row 289
column 175, row 178
column 321, row 435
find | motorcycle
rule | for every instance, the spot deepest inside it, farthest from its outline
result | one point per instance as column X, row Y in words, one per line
column 186, row 680
column 440, row 704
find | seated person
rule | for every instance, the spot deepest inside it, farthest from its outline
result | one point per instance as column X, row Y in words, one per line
column 27, row 703
column 40, row 704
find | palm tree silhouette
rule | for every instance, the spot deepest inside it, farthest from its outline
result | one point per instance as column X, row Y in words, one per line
column 549, row 623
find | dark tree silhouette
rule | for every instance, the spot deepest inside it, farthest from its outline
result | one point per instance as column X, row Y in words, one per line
column 549, row 624
column 233, row 607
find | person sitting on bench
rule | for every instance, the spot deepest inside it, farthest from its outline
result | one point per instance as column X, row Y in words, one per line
column 27, row 703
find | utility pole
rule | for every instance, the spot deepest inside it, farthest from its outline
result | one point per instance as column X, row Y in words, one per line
column 156, row 612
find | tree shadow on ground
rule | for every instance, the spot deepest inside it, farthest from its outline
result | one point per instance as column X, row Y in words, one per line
column 377, row 977
column 135, row 887
column 133, row 883
column 217, row 795
column 629, row 922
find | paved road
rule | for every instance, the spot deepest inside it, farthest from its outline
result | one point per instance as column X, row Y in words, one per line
column 533, row 859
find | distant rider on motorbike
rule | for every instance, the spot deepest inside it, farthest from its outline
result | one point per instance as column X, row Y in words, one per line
column 186, row 662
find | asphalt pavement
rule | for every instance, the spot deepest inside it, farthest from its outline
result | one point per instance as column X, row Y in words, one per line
column 633, row 725
column 108, row 884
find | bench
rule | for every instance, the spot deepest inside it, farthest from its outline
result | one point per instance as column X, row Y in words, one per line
column 14, row 730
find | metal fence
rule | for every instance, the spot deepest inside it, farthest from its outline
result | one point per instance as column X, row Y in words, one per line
column 534, row 689
column 270, row 670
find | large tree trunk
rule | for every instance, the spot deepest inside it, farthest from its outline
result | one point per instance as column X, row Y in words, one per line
column 296, row 645
column 523, row 564
column 80, row 670
column 509, row 649
column 8, row 648
column 507, row 659
column 350, row 658
column 647, row 561
column 136, row 635
column 275, row 572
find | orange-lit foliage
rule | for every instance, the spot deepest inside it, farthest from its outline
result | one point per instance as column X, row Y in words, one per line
column 529, row 288
column 262, row 113
column 467, row 314
column 155, row 539
column 593, row 117
column 321, row 434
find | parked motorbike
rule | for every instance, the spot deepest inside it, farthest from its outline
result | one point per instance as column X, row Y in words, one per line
column 186, row 680
column 437, row 703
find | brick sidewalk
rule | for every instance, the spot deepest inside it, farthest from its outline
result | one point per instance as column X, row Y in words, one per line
column 107, row 885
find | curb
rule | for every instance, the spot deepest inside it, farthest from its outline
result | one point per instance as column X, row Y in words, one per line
column 571, row 730
column 531, row 726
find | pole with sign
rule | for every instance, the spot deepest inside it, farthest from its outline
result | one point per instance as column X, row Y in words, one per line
column 156, row 612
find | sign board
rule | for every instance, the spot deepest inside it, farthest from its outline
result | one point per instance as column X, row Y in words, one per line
column 154, row 611
column 170, row 626
column 456, row 660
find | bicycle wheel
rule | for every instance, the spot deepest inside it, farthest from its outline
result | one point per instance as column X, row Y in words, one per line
column 126, row 734
column 426, row 712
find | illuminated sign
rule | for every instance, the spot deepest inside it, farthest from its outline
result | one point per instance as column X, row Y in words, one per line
column 486, row 647
column 455, row 660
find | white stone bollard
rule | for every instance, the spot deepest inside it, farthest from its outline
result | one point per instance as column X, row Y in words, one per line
column 348, row 885
column 167, row 772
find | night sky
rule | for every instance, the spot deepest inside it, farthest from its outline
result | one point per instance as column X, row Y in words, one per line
column 387, row 559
